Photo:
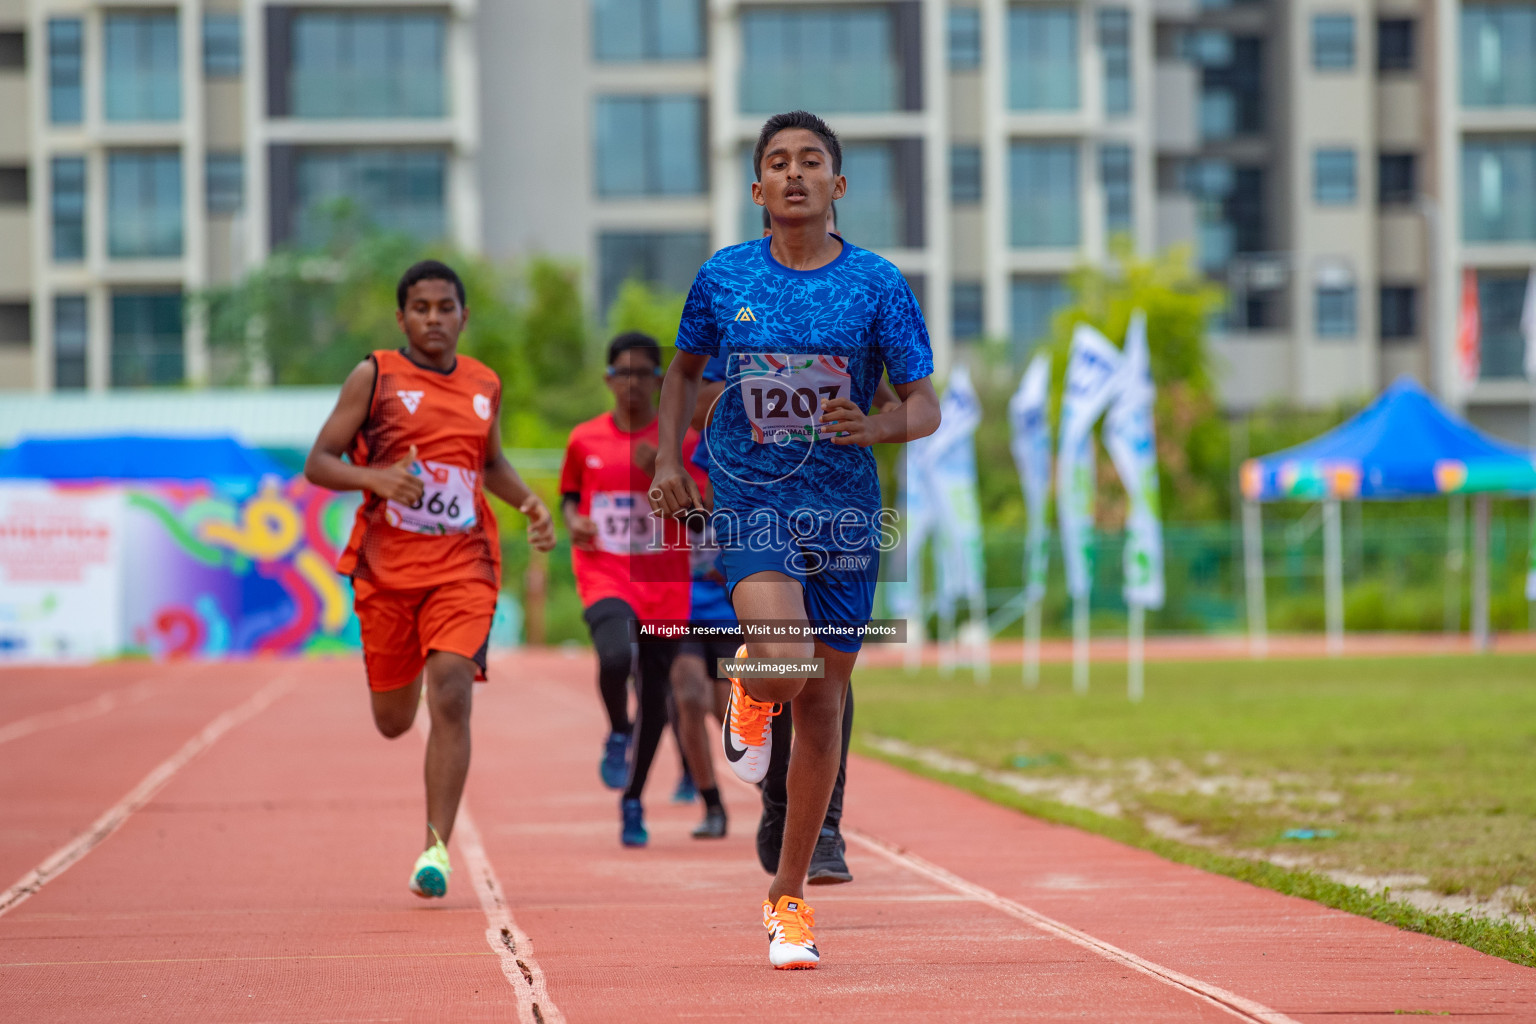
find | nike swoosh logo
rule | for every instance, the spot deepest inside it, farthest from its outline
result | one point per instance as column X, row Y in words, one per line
column 732, row 753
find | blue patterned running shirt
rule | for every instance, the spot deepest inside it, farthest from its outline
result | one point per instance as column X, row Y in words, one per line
column 790, row 338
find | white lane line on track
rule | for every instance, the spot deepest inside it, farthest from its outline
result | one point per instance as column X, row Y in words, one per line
column 509, row 942
column 72, row 713
column 1238, row 1006
column 67, row 855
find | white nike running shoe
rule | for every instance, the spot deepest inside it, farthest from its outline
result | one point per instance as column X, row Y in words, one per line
column 746, row 731
column 791, row 943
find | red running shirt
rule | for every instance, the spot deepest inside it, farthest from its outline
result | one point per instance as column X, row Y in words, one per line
column 448, row 417
column 636, row 557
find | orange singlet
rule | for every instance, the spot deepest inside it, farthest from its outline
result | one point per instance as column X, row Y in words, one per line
column 425, row 577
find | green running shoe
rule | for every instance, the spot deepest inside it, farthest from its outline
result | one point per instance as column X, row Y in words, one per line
column 429, row 878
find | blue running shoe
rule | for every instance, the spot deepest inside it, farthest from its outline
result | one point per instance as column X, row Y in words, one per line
column 614, row 767
column 687, row 792
column 633, row 833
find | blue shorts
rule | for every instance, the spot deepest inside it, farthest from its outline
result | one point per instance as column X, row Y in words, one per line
column 838, row 580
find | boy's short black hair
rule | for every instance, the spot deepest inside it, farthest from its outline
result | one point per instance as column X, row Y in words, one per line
column 427, row 270
column 768, row 221
column 797, row 119
column 634, row 340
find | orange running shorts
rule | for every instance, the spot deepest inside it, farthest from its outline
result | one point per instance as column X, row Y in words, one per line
column 400, row 627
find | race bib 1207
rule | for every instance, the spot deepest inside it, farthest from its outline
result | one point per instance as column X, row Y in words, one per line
column 447, row 502
column 783, row 393
column 624, row 522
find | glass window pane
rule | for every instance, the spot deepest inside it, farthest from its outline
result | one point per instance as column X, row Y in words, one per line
column 71, row 326
column 221, row 45
column 142, row 79
column 964, row 38
column 649, row 145
column 679, row 29
column 1333, row 42
column 1035, row 302
column 968, row 311
column 1498, row 190
column 1116, row 175
column 665, row 260
column 1043, row 187
column 147, row 339
column 1501, row 300
column 144, row 204
column 1498, row 55
column 1399, row 309
column 626, row 30
column 68, row 208
column 1042, row 58
column 826, row 59
column 1333, row 176
column 373, row 64
column 65, row 96
column 872, row 215
column 965, row 174
column 225, row 182
column 1394, row 44
column 1335, row 312
column 397, row 190
column 1115, row 48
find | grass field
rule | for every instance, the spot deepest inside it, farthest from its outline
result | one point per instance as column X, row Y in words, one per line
column 1414, row 775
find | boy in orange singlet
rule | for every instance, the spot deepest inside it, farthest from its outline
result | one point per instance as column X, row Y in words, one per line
column 419, row 426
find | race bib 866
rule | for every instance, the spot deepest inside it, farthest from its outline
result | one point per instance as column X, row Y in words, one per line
column 447, row 502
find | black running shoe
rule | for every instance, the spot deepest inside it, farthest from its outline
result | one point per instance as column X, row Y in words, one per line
column 713, row 825
column 770, row 837
column 827, row 864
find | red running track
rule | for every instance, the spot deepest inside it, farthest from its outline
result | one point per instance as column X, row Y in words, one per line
column 262, row 878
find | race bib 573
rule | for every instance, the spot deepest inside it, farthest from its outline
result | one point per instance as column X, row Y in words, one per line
column 623, row 521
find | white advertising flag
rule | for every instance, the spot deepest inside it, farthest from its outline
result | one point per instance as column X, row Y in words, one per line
column 1093, row 375
column 951, row 473
column 1131, row 438
column 1031, row 442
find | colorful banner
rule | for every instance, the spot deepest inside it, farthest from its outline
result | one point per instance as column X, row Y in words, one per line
column 1030, row 428
column 215, row 575
column 60, row 562
column 950, row 471
column 1130, row 436
column 1469, row 330
column 1093, row 375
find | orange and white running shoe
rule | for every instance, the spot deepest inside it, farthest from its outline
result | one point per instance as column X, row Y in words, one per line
column 746, row 731
column 791, row 944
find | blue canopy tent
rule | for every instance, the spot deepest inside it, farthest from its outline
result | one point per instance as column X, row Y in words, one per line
column 222, row 460
column 1403, row 445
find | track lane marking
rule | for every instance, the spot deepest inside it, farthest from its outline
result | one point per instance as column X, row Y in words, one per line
column 509, row 942
column 72, row 713
column 1230, row 1002
column 238, row 959
column 70, row 853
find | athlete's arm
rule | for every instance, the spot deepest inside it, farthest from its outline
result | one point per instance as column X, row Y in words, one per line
column 885, row 398
column 502, row 480
column 326, row 468
column 673, row 490
column 916, row 415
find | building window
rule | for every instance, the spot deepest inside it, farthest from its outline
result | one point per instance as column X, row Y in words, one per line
column 146, row 339
column 1394, row 44
column 1498, row 190
column 143, row 68
column 1336, row 312
column 831, row 60
column 1043, row 188
column 15, row 323
column 144, row 204
column 1500, row 301
column 13, row 51
column 964, row 38
column 1399, row 312
column 1035, row 302
column 373, row 64
column 1042, row 58
column 1498, row 55
column 221, row 45
column 68, row 208
column 967, row 310
column 624, row 30
column 1396, row 178
column 884, row 206
column 1115, row 48
column 1116, row 176
column 71, row 328
column 395, row 190
column 224, row 182
column 14, row 186
column 1231, row 83
column 668, row 261
column 1333, row 42
column 965, row 174
column 66, row 96
column 1333, row 176
column 650, row 146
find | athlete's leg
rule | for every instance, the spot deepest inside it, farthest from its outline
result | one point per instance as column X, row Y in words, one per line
column 693, row 695
column 394, row 711
column 450, row 695
column 835, row 805
column 654, row 677
column 609, row 622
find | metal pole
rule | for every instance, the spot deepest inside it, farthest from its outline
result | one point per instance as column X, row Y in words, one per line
column 1455, row 545
column 1135, row 684
column 1080, row 645
column 1333, row 577
column 1480, row 634
column 1032, row 644
column 1253, row 577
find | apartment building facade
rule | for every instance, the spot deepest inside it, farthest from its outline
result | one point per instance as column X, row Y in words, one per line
column 162, row 148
